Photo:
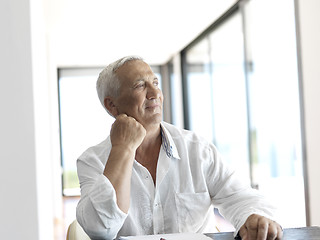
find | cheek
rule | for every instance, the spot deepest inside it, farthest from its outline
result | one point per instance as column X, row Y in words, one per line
column 131, row 103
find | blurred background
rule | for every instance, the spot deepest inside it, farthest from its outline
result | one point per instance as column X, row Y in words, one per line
column 243, row 74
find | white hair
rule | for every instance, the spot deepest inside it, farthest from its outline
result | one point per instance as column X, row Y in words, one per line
column 108, row 82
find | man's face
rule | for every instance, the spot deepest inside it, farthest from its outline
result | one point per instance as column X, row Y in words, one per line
column 139, row 94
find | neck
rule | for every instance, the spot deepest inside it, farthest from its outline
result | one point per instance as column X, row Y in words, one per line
column 150, row 146
column 152, row 137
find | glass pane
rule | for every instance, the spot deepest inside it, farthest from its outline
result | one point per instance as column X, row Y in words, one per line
column 173, row 90
column 216, row 89
column 217, row 93
column 199, row 87
column 274, row 107
column 229, row 94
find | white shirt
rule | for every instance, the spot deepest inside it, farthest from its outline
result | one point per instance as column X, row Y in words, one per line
column 191, row 177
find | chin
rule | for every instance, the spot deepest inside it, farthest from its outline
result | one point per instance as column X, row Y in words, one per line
column 156, row 119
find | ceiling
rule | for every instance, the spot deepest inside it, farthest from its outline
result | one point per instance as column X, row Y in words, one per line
column 96, row 32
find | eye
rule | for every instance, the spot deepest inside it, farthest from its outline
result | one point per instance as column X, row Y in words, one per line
column 156, row 83
column 140, row 85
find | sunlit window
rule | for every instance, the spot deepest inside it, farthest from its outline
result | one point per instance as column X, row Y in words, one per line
column 217, row 92
column 241, row 89
column 274, row 106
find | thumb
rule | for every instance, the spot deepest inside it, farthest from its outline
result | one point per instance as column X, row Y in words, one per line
column 243, row 233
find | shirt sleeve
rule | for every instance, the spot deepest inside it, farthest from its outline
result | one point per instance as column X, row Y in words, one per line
column 235, row 200
column 97, row 211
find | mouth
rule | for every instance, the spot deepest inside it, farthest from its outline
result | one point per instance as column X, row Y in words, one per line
column 152, row 107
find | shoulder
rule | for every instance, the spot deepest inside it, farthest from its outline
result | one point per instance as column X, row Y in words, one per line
column 189, row 140
column 98, row 152
column 185, row 135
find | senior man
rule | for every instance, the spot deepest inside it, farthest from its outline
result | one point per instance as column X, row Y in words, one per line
column 150, row 177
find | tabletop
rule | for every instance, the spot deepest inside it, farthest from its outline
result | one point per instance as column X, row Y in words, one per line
column 304, row 233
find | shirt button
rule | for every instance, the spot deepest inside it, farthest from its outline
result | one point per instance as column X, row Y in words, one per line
column 147, row 177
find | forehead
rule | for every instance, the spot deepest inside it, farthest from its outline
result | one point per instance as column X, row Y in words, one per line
column 133, row 70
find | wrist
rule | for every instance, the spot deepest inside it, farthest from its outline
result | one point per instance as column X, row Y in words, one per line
column 124, row 151
column 120, row 160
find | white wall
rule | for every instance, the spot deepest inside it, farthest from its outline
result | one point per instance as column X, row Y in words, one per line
column 42, row 123
column 25, row 184
column 18, row 170
column 309, row 25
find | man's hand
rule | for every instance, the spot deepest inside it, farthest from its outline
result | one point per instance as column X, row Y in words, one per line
column 126, row 132
column 260, row 228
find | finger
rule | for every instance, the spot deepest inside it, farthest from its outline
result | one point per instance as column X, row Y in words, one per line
column 263, row 226
column 272, row 231
column 125, row 116
column 279, row 233
column 132, row 118
column 252, row 234
column 252, row 228
column 121, row 116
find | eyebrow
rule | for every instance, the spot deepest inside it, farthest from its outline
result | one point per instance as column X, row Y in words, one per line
column 138, row 81
column 142, row 79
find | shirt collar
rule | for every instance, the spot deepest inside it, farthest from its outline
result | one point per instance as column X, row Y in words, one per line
column 168, row 143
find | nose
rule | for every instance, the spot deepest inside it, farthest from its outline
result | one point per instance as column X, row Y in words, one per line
column 153, row 92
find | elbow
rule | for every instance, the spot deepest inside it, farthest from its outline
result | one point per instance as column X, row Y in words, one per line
column 93, row 227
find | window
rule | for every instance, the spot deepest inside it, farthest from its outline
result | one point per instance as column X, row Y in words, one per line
column 216, row 90
column 276, row 157
column 174, row 93
column 241, row 93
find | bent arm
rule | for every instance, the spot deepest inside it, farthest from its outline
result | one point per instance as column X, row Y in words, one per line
column 105, row 190
column 126, row 136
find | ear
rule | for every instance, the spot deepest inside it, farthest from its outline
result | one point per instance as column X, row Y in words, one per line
column 109, row 104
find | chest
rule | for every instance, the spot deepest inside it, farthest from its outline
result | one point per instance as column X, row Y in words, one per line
column 175, row 203
column 149, row 160
column 151, row 166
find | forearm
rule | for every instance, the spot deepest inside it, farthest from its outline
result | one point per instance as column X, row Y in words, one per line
column 119, row 170
column 234, row 198
column 239, row 205
column 98, row 212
